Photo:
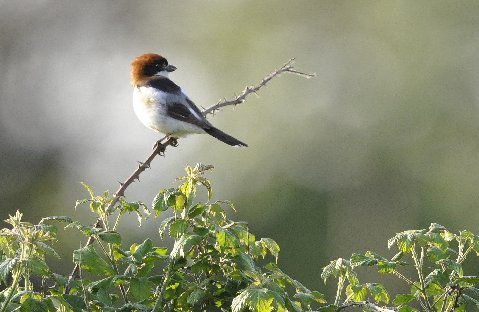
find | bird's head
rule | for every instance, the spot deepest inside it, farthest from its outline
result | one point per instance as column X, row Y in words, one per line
column 149, row 65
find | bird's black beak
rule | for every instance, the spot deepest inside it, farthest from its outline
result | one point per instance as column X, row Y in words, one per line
column 170, row 68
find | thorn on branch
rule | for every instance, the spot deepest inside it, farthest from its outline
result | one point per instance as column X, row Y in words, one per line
column 238, row 99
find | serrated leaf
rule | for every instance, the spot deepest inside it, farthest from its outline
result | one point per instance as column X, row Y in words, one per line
column 42, row 305
column 437, row 277
column 378, row 292
column 256, row 299
column 180, row 201
column 362, row 260
column 225, row 239
column 178, row 227
column 110, row 237
column 179, row 249
column 91, row 261
column 272, row 246
column 468, row 279
column 140, row 251
column 403, row 299
column 196, row 210
column 77, row 304
column 38, row 266
column 140, row 288
column 164, row 224
column 245, row 262
column 47, row 249
column 328, row 308
column 196, row 297
column 434, row 227
column 104, row 283
column 308, row 298
column 5, row 267
column 356, row 292
column 336, row 267
column 56, row 218
column 452, row 265
column 159, row 203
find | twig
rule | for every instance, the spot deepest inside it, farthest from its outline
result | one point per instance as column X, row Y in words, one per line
column 161, row 145
column 286, row 68
column 365, row 304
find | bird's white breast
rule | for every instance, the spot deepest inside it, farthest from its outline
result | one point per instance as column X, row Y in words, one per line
column 149, row 105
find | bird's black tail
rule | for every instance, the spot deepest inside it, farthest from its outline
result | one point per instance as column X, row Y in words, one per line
column 220, row 135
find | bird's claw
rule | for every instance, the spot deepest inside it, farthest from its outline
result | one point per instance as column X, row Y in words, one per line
column 174, row 141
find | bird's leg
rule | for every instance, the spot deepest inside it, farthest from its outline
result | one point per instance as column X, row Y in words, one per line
column 173, row 142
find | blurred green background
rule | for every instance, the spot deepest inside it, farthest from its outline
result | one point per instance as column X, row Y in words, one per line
column 385, row 139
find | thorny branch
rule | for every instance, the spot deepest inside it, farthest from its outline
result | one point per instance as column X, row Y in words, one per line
column 287, row 67
column 166, row 141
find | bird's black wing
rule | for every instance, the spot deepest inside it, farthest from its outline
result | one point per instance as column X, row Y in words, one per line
column 181, row 112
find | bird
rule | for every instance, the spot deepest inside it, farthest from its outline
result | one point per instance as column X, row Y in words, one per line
column 162, row 106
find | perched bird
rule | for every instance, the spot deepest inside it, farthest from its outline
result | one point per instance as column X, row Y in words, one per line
column 161, row 105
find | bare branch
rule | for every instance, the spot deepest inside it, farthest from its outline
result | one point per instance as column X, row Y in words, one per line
column 365, row 304
column 286, row 68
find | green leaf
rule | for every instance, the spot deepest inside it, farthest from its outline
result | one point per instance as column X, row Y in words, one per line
column 452, row 265
column 403, row 299
column 180, row 201
column 308, row 298
column 77, row 304
column 256, row 299
column 435, row 228
column 91, row 261
column 104, row 283
column 196, row 297
column 328, row 308
column 184, row 244
column 42, row 305
column 140, row 288
column 38, row 266
column 336, row 267
column 272, row 246
column 437, row 277
column 110, row 237
column 362, row 260
column 356, row 292
column 56, row 218
column 140, row 251
column 225, row 239
column 5, row 267
column 159, row 203
column 245, row 262
column 468, row 279
column 47, row 249
column 378, row 292
column 435, row 254
column 405, row 240
column 196, row 210
column 164, row 224
column 178, row 227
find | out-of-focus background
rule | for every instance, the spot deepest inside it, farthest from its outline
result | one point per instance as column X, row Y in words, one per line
column 385, row 139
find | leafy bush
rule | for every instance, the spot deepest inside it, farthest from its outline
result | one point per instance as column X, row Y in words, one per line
column 214, row 264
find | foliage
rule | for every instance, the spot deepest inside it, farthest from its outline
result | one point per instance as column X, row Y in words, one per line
column 203, row 261
column 437, row 256
column 214, row 264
